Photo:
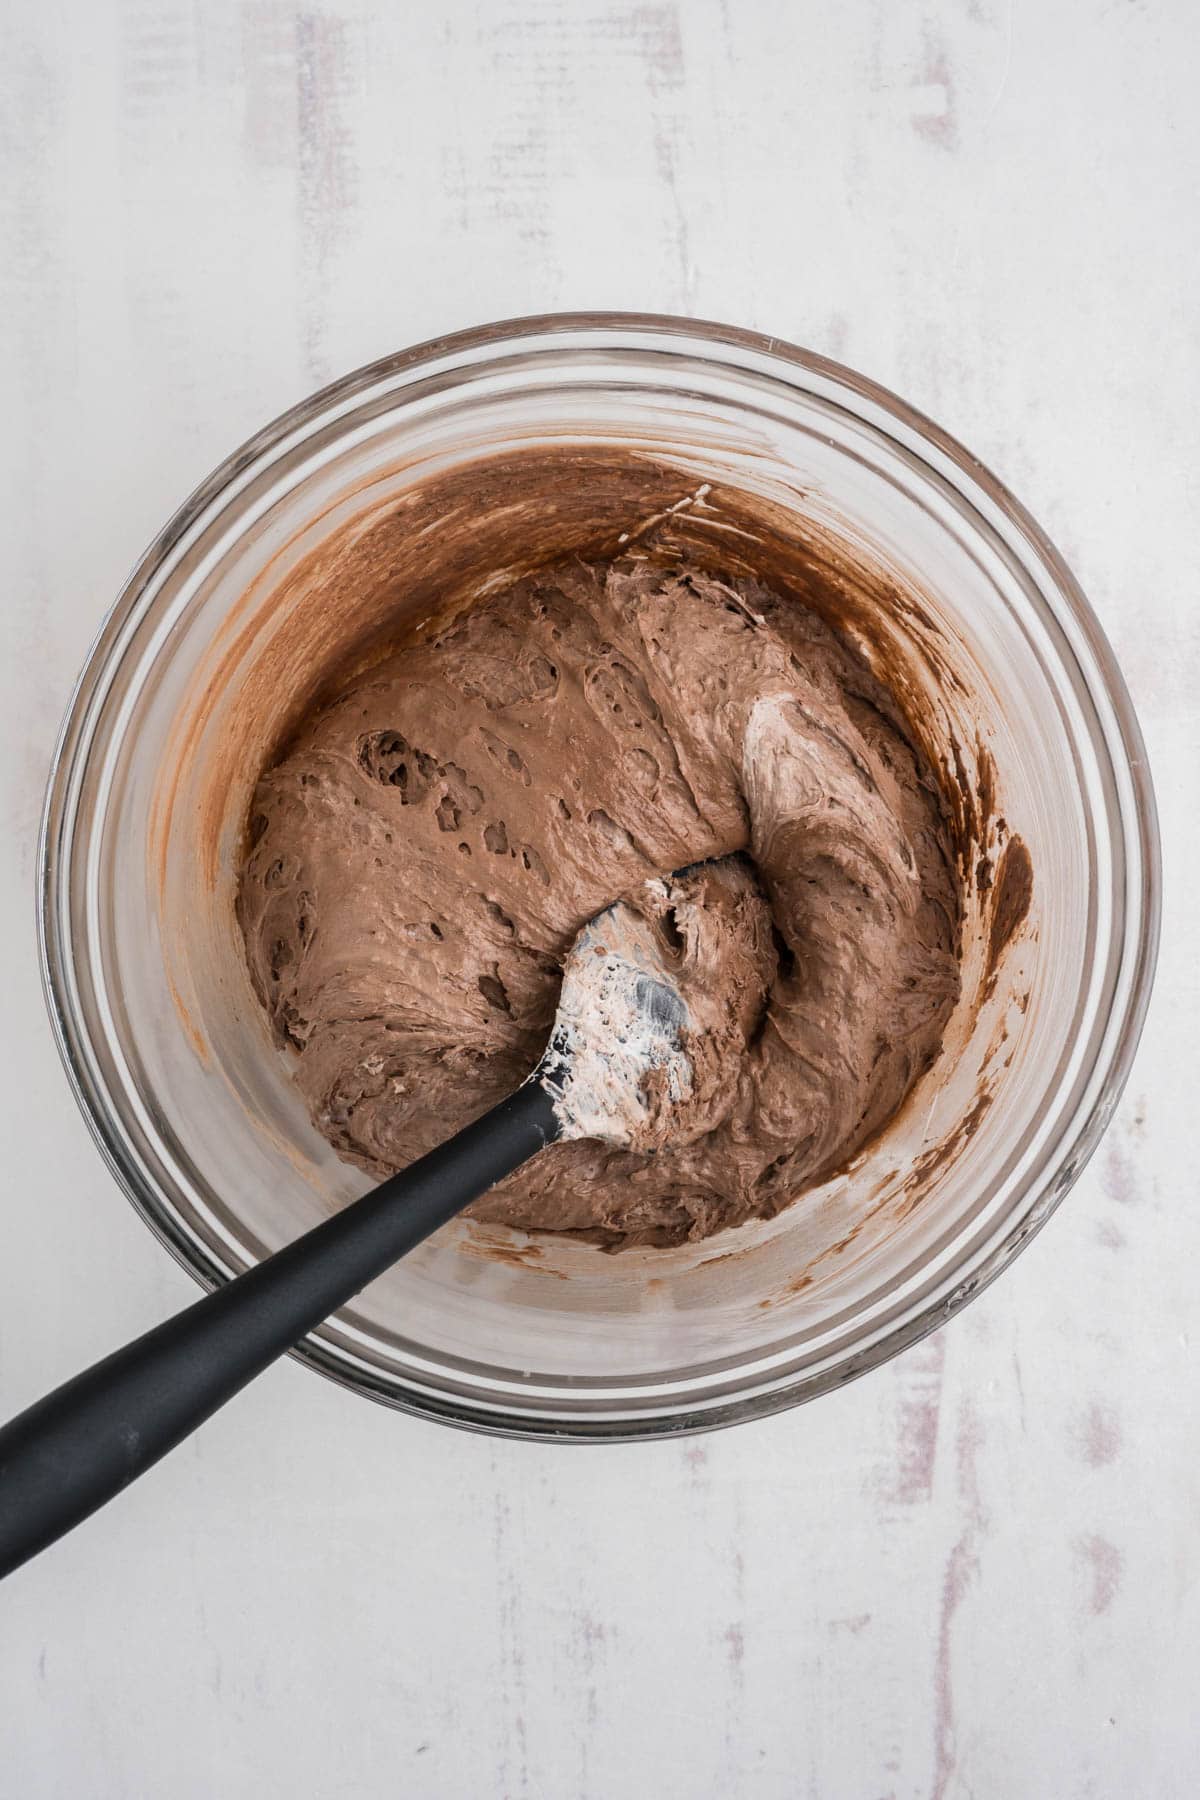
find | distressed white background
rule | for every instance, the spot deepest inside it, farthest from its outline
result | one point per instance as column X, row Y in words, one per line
column 976, row 1573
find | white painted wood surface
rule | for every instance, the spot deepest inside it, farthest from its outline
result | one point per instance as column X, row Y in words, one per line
column 976, row 1573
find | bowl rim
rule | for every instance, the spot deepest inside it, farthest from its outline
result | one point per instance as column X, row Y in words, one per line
column 73, row 744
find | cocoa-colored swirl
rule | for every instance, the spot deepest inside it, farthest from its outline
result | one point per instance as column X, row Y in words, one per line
column 427, row 848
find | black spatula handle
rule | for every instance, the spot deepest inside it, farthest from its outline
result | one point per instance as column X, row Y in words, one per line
column 68, row 1453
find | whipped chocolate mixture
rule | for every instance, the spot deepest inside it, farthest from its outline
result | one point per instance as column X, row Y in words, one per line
column 423, row 855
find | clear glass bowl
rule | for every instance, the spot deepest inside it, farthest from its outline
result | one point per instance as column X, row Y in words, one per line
column 165, row 1044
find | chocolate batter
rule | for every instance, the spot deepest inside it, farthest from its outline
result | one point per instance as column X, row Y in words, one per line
column 434, row 838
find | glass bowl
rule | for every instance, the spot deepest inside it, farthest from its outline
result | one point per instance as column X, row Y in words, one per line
column 167, row 1048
